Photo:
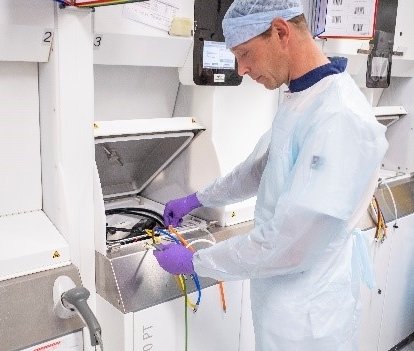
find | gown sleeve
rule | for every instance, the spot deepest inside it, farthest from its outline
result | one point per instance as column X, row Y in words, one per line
column 240, row 184
column 336, row 163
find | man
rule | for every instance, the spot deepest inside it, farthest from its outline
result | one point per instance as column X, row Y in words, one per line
column 313, row 183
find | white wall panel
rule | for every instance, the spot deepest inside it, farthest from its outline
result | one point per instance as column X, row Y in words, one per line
column 20, row 171
column 26, row 30
column 404, row 34
column 125, row 92
column 398, row 315
column 400, row 135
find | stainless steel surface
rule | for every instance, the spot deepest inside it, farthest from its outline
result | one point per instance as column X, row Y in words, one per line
column 131, row 279
column 128, row 164
column 135, row 281
column 368, row 51
column 26, row 309
column 403, row 193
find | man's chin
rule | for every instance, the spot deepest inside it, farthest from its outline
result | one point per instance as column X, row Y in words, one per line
column 269, row 86
column 266, row 83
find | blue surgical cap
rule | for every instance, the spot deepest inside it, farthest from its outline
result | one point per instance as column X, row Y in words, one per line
column 246, row 19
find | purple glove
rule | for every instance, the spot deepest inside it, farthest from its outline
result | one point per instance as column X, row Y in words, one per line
column 176, row 209
column 175, row 258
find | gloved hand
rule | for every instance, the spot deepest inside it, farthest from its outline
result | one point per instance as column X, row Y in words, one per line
column 175, row 258
column 176, row 209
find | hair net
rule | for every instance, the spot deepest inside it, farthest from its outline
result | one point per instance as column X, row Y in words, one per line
column 246, row 19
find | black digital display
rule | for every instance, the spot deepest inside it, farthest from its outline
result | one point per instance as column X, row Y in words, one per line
column 216, row 56
column 213, row 63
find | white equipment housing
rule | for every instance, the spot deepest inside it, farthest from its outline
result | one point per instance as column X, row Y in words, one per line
column 40, row 224
column 29, row 238
column 147, row 89
column 129, row 154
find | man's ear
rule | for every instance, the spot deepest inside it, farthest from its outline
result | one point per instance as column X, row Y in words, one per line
column 281, row 27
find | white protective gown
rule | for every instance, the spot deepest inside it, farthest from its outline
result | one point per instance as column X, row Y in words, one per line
column 313, row 183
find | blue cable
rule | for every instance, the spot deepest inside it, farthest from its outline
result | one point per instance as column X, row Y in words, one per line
column 167, row 234
column 194, row 276
column 198, row 286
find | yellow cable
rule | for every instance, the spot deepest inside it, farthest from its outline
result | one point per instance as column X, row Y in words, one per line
column 152, row 235
column 186, row 244
column 185, row 316
column 180, row 282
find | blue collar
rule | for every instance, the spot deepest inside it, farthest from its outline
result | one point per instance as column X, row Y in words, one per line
column 337, row 65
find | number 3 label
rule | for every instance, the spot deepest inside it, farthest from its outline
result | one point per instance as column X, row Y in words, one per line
column 97, row 41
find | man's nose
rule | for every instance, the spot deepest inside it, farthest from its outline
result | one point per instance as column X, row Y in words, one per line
column 242, row 69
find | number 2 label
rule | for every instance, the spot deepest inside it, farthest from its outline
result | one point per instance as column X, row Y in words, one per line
column 47, row 37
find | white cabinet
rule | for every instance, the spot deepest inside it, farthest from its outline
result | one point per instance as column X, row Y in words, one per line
column 71, row 342
column 20, row 172
column 247, row 336
column 26, row 30
column 398, row 310
column 372, row 301
column 388, row 310
column 119, row 40
column 162, row 326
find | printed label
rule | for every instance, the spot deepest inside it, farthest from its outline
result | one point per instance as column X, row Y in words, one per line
column 219, row 78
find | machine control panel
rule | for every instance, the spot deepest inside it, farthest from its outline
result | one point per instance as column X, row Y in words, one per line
column 214, row 64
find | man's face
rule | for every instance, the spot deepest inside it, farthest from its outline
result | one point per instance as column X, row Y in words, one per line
column 264, row 59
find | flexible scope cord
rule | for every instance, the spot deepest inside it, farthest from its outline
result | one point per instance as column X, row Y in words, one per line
column 381, row 226
column 393, row 202
column 221, row 284
column 161, row 231
column 185, row 315
column 194, row 276
column 179, row 279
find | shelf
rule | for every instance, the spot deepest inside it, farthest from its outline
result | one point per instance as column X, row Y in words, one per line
column 388, row 115
column 26, row 30
column 119, row 40
column 29, row 251
column 140, row 50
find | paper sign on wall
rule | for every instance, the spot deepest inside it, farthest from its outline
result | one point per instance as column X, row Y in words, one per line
column 156, row 13
column 350, row 18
